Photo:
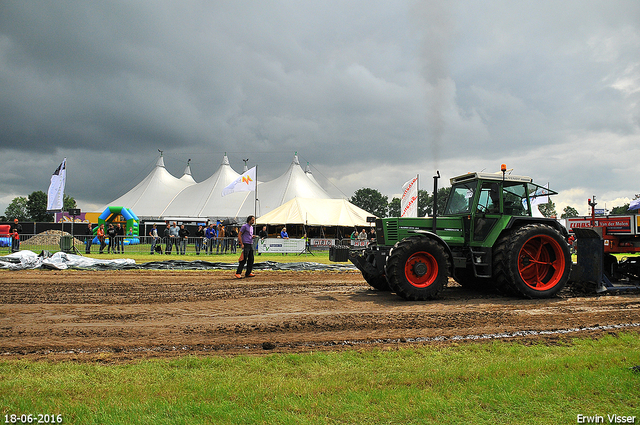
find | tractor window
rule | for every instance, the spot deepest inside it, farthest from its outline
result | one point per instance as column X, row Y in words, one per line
column 489, row 200
column 515, row 200
column 460, row 199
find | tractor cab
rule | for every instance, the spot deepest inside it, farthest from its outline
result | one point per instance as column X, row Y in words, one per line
column 488, row 202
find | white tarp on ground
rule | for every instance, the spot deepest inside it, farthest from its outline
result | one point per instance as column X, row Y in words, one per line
column 317, row 212
column 59, row 261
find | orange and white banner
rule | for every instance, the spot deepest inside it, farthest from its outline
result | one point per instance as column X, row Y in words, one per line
column 409, row 201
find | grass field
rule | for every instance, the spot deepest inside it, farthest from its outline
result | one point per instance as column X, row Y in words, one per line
column 480, row 383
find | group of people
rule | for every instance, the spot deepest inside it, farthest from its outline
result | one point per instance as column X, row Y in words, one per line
column 115, row 234
column 207, row 238
column 362, row 235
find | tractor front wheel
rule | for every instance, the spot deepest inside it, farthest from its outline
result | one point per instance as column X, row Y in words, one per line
column 417, row 268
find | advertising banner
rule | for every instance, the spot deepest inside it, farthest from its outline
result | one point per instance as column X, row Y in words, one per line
column 320, row 243
column 277, row 245
column 622, row 225
column 409, row 201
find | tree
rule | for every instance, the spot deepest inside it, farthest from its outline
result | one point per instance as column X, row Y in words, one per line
column 569, row 212
column 37, row 207
column 624, row 209
column 620, row 210
column 443, row 197
column 68, row 203
column 17, row 209
column 548, row 209
column 394, row 207
column 371, row 200
column 424, row 203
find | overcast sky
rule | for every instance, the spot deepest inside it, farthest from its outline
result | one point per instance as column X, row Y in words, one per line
column 369, row 92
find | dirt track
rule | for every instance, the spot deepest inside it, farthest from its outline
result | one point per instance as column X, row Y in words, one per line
column 131, row 314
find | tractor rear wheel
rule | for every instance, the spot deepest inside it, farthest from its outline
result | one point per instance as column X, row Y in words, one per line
column 534, row 261
column 417, row 268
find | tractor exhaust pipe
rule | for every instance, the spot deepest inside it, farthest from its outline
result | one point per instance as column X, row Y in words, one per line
column 435, row 199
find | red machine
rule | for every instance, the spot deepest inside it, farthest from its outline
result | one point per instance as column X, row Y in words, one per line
column 598, row 238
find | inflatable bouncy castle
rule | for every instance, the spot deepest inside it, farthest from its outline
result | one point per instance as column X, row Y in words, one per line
column 126, row 218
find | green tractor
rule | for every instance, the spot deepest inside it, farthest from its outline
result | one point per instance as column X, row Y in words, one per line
column 486, row 237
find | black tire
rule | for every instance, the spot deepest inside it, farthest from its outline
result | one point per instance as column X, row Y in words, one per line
column 417, row 268
column 532, row 261
column 378, row 282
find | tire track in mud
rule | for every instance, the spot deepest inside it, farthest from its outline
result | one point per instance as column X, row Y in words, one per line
column 167, row 313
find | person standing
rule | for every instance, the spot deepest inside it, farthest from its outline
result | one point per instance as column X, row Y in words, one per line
column 167, row 239
column 199, row 239
column 283, row 233
column 16, row 232
column 245, row 239
column 175, row 237
column 263, row 234
column 222, row 244
column 210, row 235
column 100, row 234
column 111, row 232
column 183, row 235
column 154, row 238
column 89, row 240
column 233, row 236
column 119, row 238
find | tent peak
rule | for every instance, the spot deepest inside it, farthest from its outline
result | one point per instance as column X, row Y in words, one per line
column 187, row 171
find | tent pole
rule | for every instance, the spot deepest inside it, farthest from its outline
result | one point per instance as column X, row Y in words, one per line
column 255, row 202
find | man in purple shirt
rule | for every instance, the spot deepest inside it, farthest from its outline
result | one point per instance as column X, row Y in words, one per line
column 245, row 239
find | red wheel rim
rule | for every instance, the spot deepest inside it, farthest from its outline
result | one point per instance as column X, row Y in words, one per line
column 541, row 263
column 421, row 269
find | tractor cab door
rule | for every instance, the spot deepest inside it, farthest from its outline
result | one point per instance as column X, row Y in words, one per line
column 487, row 211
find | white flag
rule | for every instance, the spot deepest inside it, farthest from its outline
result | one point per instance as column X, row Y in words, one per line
column 55, row 196
column 245, row 183
column 409, row 201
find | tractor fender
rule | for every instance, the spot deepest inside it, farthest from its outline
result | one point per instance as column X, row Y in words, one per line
column 522, row 221
column 433, row 236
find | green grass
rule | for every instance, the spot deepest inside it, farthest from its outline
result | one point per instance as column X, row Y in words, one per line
column 144, row 257
column 140, row 253
column 480, row 383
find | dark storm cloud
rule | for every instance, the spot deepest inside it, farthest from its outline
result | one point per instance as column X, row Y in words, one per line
column 368, row 92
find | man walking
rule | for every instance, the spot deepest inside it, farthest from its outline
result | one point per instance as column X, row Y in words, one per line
column 245, row 239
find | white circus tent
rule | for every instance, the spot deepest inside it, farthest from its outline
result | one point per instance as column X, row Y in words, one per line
column 316, row 212
column 204, row 200
column 151, row 196
column 163, row 196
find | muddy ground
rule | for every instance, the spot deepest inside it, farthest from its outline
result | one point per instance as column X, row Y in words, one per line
column 107, row 315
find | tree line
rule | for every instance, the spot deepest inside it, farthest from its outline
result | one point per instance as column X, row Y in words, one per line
column 373, row 201
column 33, row 208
